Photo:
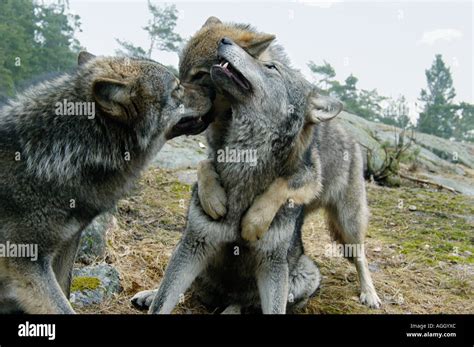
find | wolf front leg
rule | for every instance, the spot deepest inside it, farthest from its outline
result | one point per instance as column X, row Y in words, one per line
column 186, row 263
column 300, row 188
column 36, row 289
column 64, row 262
column 211, row 194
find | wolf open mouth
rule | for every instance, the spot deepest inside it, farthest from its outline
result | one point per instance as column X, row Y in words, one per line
column 190, row 125
column 235, row 75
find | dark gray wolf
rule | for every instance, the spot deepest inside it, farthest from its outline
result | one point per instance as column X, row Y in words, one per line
column 69, row 149
column 271, row 105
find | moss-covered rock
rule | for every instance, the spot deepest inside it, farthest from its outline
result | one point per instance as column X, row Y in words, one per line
column 94, row 284
column 81, row 283
column 93, row 239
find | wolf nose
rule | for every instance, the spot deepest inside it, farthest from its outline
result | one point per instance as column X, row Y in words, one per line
column 226, row 41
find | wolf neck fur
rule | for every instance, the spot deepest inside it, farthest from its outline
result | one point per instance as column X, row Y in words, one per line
column 263, row 134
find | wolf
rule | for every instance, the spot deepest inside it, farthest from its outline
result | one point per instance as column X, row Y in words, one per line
column 196, row 59
column 59, row 170
column 335, row 180
column 273, row 273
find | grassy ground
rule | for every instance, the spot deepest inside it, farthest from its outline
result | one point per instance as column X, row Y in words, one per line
column 419, row 246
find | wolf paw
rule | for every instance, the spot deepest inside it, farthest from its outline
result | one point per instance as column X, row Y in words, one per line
column 213, row 200
column 252, row 231
column 142, row 300
column 255, row 223
column 371, row 299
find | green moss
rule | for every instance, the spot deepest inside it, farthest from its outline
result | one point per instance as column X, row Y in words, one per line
column 438, row 230
column 180, row 189
column 84, row 283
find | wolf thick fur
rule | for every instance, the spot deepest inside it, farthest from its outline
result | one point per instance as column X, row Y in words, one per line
column 226, row 270
column 333, row 181
column 58, row 172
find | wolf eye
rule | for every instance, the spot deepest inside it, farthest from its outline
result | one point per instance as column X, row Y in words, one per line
column 271, row 66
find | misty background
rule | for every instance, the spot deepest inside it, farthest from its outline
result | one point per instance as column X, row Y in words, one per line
column 386, row 44
column 376, row 51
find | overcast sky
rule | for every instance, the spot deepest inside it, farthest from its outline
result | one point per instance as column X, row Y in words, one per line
column 386, row 44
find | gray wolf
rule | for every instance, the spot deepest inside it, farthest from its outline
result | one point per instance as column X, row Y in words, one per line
column 334, row 180
column 272, row 273
column 59, row 170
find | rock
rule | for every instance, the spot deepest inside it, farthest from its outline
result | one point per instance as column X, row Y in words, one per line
column 438, row 151
column 93, row 284
column 412, row 208
column 93, row 240
column 181, row 153
column 463, row 185
column 438, row 156
column 374, row 267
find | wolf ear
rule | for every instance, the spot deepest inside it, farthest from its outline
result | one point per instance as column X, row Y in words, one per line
column 255, row 43
column 113, row 98
column 321, row 108
column 212, row 21
column 84, row 57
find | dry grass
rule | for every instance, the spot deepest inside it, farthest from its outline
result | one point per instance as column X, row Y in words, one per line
column 421, row 261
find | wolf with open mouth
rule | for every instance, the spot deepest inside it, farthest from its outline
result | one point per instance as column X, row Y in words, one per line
column 270, row 103
column 57, row 172
column 331, row 179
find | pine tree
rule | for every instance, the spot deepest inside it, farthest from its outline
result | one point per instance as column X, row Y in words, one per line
column 324, row 74
column 396, row 113
column 439, row 112
column 160, row 30
column 464, row 129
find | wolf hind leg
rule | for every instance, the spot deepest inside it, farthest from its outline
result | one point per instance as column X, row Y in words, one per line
column 304, row 281
column 272, row 281
column 347, row 225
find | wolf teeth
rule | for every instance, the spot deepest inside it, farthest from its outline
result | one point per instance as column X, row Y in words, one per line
column 224, row 64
